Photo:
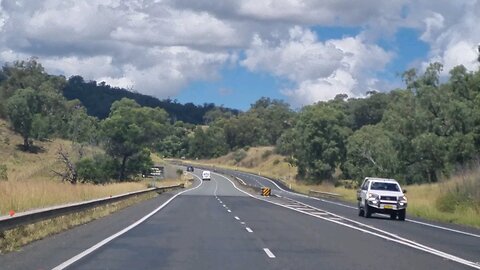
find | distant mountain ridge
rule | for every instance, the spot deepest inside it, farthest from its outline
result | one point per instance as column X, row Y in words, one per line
column 98, row 98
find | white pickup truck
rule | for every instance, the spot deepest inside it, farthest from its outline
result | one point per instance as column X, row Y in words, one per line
column 380, row 195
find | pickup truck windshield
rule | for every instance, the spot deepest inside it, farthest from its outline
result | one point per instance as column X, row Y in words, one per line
column 384, row 186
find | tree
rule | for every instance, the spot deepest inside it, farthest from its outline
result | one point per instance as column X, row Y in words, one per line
column 244, row 130
column 370, row 152
column 207, row 144
column 275, row 116
column 320, row 143
column 129, row 130
column 367, row 111
column 23, row 75
column 216, row 114
column 22, row 108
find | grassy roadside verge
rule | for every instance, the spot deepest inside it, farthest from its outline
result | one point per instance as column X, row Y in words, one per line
column 455, row 200
column 25, row 195
column 13, row 239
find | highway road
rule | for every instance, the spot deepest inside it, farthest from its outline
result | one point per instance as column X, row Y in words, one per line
column 217, row 225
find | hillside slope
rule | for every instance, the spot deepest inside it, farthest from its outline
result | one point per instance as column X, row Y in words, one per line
column 31, row 182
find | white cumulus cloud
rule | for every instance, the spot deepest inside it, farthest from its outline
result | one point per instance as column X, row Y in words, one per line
column 160, row 47
column 319, row 70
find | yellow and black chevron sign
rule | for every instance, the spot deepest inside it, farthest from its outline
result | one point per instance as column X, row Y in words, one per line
column 266, row 191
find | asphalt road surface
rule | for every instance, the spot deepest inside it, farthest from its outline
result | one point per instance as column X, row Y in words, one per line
column 217, row 225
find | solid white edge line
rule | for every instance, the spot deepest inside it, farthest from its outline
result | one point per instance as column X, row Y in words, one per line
column 409, row 243
column 248, row 229
column 351, row 207
column 423, row 247
column 116, row 235
column 269, row 253
column 442, row 228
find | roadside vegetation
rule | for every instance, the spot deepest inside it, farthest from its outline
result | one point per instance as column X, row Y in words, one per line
column 30, row 182
column 453, row 200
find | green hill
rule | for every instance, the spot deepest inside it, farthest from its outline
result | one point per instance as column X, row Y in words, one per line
column 98, row 97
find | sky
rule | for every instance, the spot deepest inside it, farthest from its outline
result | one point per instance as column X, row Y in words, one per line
column 233, row 52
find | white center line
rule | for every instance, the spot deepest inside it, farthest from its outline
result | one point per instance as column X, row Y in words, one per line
column 248, row 229
column 269, row 253
column 237, row 218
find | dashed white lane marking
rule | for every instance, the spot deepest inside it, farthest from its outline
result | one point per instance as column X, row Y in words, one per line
column 278, row 196
column 229, row 211
column 243, row 223
column 371, row 230
column 224, row 206
column 248, row 229
column 237, row 218
column 241, row 181
column 269, row 253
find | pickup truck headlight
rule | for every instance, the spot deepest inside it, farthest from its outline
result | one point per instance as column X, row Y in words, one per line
column 402, row 200
column 373, row 198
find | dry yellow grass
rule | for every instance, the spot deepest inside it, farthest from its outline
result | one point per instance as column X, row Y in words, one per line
column 30, row 194
column 31, row 183
column 423, row 199
column 258, row 160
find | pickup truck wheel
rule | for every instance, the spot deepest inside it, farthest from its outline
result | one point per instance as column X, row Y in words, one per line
column 393, row 215
column 401, row 214
column 367, row 210
column 360, row 210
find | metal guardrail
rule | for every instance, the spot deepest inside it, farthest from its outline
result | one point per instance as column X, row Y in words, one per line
column 323, row 194
column 29, row 217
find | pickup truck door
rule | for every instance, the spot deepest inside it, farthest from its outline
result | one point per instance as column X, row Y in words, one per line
column 362, row 193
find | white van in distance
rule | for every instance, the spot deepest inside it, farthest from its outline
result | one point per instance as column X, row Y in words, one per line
column 206, row 175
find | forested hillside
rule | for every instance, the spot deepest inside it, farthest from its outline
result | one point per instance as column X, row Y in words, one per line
column 99, row 97
column 421, row 133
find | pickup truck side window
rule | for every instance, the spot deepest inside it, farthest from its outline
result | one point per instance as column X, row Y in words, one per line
column 365, row 185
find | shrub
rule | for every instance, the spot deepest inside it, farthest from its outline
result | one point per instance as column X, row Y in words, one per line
column 3, row 172
column 100, row 169
column 239, row 155
column 266, row 154
column 276, row 162
column 179, row 172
